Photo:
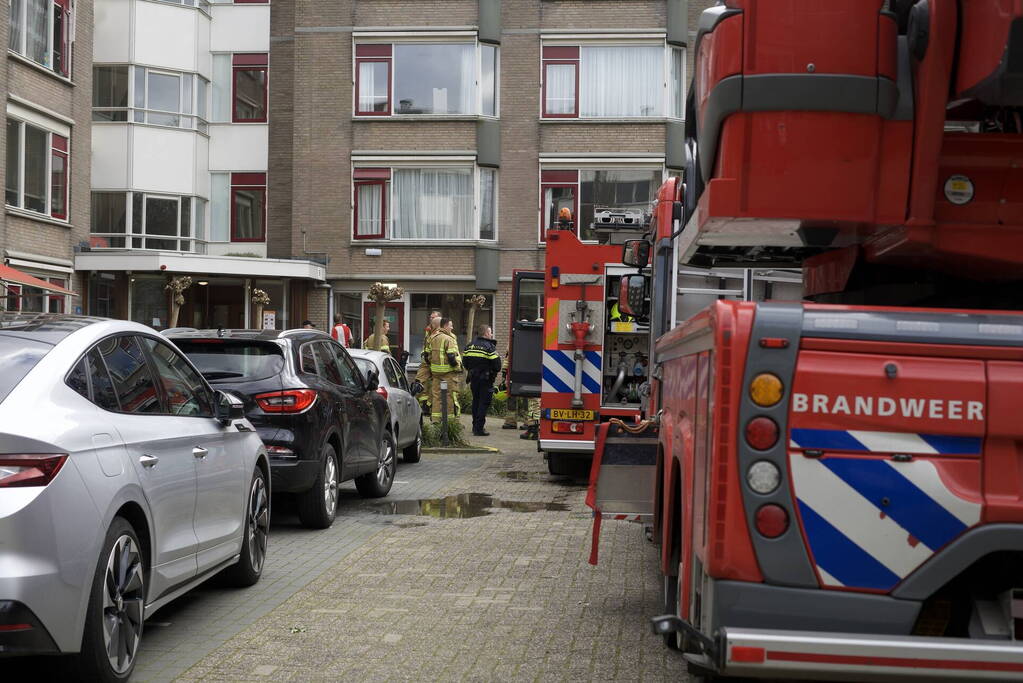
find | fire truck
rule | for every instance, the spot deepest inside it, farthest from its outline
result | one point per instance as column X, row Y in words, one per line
column 835, row 484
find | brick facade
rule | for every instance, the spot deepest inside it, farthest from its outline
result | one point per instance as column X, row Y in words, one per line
column 39, row 89
column 313, row 134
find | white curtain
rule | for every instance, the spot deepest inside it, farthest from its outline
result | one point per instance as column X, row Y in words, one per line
column 368, row 85
column 560, row 88
column 467, row 63
column 622, row 81
column 368, row 207
column 487, row 177
column 38, row 31
column 17, row 26
column 221, row 110
column 432, row 203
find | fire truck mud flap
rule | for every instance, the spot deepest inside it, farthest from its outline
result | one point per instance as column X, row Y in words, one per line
column 864, row 657
column 622, row 476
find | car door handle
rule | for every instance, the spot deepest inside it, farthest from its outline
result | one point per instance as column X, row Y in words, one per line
column 149, row 460
column 199, row 452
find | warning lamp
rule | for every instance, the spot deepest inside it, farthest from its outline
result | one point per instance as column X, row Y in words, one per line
column 762, row 433
column 567, row 427
column 565, row 218
column 763, row 477
column 772, row 520
column 555, row 277
column 765, row 389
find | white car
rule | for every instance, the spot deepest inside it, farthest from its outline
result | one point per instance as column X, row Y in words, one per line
column 125, row 480
column 401, row 399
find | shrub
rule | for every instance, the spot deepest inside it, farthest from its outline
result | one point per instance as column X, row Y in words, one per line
column 432, row 433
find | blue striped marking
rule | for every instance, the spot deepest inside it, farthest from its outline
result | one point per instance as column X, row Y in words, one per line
column 962, row 445
column 840, row 557
column 555, row 382
column 911, row 508
column 566, row 361
column 827, row 440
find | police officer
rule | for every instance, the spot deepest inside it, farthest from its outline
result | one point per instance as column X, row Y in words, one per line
column 482, row 363
column 445, row 366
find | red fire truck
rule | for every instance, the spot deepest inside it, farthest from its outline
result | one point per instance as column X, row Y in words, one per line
column 836, row 484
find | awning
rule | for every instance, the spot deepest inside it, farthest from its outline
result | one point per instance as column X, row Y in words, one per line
column 16, row 277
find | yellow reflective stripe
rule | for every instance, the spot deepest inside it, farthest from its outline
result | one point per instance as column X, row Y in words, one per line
column 551, row 322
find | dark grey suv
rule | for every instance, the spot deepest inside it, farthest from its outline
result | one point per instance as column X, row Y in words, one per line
column 321, row 420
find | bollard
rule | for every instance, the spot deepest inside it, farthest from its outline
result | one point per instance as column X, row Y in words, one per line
column 444, row 413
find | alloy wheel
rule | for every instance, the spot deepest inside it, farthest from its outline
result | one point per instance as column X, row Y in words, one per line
column 385, row 464
column 258, row 523
column 123, row 600
column 330, row 484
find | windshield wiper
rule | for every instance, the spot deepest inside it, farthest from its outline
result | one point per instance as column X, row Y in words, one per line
column 221, row 374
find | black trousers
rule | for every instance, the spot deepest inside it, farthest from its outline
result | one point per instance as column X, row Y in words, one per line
column 481, row 397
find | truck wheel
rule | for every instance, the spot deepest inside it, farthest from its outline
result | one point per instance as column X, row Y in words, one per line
column 671, row 607
column 113, row 623
column 318, row 506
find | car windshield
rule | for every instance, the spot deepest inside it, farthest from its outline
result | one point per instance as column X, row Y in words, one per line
column 18, row 356
column 365, row 365
column 226, row 360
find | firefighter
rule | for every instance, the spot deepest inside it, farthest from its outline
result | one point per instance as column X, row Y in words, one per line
column 384, row 345
column 532, row 415
column 515, row 410
column 423, row 374
column 445, row 366
column 482, row 364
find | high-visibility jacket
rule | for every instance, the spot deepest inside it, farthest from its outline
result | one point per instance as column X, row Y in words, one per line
column 618, row 316
column 384, row 346
column 443, row 347
column 481, row 359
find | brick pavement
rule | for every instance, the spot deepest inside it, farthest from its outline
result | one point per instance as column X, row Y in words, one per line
column 506, row 596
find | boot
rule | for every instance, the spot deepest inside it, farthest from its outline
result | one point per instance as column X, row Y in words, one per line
column 509, row 425
column 532, row 433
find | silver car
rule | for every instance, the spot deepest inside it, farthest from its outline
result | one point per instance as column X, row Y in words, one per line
column 125, row 481
column 401, row 399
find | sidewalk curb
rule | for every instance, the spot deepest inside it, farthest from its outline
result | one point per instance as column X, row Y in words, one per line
column 461, row 449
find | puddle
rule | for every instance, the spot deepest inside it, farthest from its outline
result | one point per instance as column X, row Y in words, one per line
column 462, row 506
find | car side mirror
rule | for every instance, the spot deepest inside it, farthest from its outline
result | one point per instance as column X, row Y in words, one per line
column 636, row 253
column 372, row 380
column 228, row 408
column 632, row 295
column 416, row 388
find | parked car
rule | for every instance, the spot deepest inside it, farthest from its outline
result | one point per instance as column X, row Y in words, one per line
column 321, row 420
column 125, row 481
column 406, row 413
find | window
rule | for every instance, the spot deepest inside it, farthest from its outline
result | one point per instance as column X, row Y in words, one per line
column 308, row 359
column 346, row 366
column 328, row 364
column 132, row 380
column 451, row 305
column 159, row 97
column 583, row 191
column 678, row 95
column 248, row 87
column 154, row 221
column 91, row 379
column 37, row 169
column 248, row 207
column 611, row 81
column 41, row 31
column 370, row 202
column 488, row 204
column 418, row 78
column 183, row 388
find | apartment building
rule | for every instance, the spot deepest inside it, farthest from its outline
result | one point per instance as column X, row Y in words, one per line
column 427, row 143
column 180, row 123
column 47, row 81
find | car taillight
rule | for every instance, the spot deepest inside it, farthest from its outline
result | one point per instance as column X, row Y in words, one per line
column 382, row 391
column 287, row 401
column 29, row 469
column 772, row 520
column 762, row 433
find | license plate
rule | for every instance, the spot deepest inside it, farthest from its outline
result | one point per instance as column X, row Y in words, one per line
column 564, row 414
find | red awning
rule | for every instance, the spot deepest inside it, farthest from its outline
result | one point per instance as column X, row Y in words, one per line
column 16, row 277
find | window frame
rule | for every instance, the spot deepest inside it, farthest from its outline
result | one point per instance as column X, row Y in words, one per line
column 161, row 388
column 385, row 185
column 250, row 61
column 248, row 182
column 374, row 59
column 543, row 98
column 51, row 149
column 557, row 178
column 63, row 70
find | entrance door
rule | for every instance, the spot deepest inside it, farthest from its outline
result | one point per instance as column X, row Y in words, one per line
column 394, row 314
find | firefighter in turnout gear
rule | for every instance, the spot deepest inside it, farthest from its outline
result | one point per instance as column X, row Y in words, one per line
column 384, row 345
column 483, row 364
column 445, row 366
column 423, row 374
column 532, row 415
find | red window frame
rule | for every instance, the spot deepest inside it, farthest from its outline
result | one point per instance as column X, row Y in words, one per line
column 558, row 179
column 248, row 182
column 374, row 53
column 559, row 56
column 59, row 150
column 380, row 234
column 249, row 62
column 63, row 67
column 13, row 295
column 59, row 298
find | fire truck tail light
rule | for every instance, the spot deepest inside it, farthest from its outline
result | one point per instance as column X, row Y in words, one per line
column 762, row 433
column 763, row 477
column 568, row 427
column 765, row 389
column 772, row 520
